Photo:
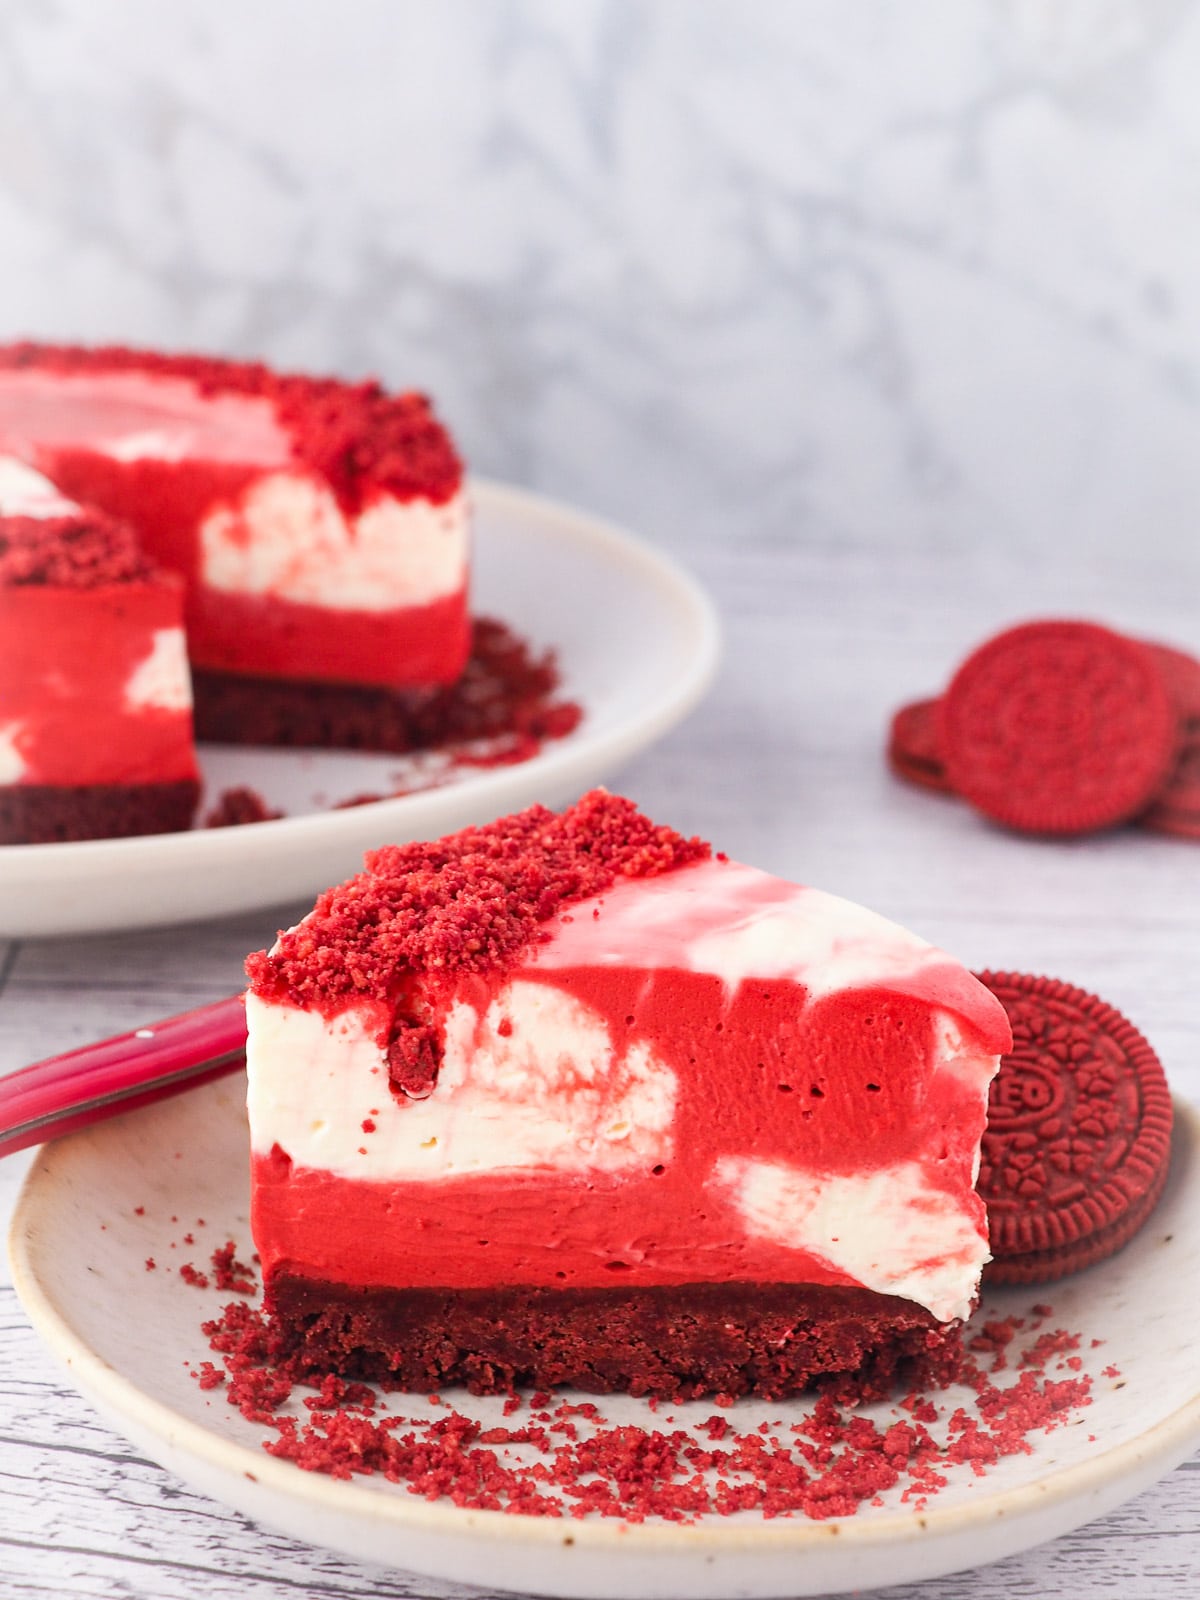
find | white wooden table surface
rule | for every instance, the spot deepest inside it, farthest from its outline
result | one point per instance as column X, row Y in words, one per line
column 782, row 767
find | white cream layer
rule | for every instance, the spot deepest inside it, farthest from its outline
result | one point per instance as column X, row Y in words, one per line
column 12, row 766
column 288, row 538
column 26, row 493
column 884, row 1228
column 737, row 922
column 161, row 680
column 547, row 1093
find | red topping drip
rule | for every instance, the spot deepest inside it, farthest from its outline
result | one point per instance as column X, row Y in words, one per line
column 470, row 902
column 84, row 552
column 356, row 436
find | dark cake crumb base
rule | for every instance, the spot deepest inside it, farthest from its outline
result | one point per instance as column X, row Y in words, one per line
column 506, row 689
column 37, row 813
column 678, row 1343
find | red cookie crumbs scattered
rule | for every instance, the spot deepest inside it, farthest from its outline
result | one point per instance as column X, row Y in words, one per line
column 151, row 1264
column 229, row 1274
column 188, row 1273
column 468, row 902
column 1063, row 728
column 1078, row 1138
column 1058, row 727
column 139, row 1211
column 237, row 806
column 501, row 711
column 570, row 1460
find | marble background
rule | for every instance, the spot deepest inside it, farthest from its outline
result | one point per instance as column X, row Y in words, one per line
column 921, row 275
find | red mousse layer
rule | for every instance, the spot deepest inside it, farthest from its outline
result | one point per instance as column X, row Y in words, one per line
column 69, row 657
column 255, row 634
column 843, row 1085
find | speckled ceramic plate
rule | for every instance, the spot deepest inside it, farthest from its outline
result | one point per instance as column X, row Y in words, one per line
column 128, row 1335
column 637, row 643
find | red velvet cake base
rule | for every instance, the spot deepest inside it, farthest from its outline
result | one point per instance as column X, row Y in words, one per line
column 323, row 716
column 48, row 814
column 679, row 1343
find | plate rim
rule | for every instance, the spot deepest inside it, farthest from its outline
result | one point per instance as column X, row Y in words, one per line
column 198, row 844
column 1166, row 1441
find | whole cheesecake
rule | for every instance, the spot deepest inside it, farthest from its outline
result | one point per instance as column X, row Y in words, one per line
column 570, row 1100
column 95, row 699
column 320, row 527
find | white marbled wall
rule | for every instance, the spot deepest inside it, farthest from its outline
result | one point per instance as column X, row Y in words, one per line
column 847, row 270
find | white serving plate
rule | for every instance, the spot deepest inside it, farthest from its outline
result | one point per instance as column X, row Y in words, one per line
column 637, row 642
column 128, row 1336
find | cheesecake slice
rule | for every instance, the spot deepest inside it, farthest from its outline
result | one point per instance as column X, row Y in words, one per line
column 320, row 527
column 95, row 698
column 568, row 1099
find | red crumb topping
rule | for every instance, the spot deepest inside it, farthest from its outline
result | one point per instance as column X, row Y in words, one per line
column 472, row 901
column 236, row 806
column 84, row 552
column 356, row 436
column 189, row 1275
column 569, row 1460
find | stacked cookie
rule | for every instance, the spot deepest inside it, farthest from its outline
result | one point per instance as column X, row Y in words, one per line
column 1063, row 728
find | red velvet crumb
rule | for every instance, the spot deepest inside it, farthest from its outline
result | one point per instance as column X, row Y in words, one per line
column 469, row 902
column 88, row 551
column 569, row 1460
column 229, row 1274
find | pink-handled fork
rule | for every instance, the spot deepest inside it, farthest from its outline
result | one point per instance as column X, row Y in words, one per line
column 70, row 1091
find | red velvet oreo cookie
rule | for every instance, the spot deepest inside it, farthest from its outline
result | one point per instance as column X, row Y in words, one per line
column 1059, row 728
column 914, row 749
column 1078, row 1135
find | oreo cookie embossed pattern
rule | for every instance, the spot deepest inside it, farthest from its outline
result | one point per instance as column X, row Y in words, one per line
column 1078, row 1135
